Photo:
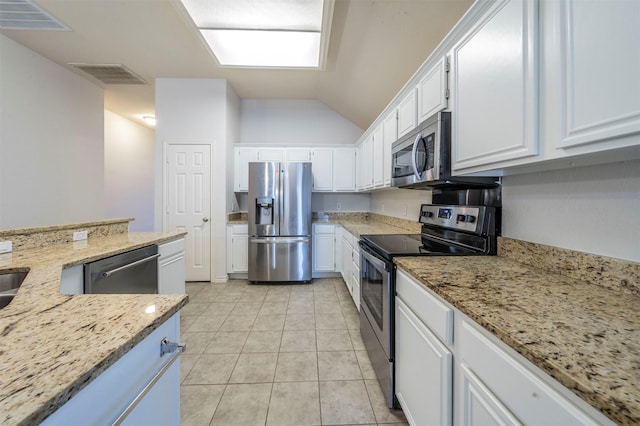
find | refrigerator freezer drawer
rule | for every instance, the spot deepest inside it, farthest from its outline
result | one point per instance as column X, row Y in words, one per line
column 280, row 259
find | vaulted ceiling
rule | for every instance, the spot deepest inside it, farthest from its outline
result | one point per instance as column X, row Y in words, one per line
column 375, row 47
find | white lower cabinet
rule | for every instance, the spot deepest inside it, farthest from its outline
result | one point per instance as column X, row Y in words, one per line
column 355, row 273
column 347, row 260
column 509, row 387
column 237, row 249
column 324, row 249
column 494, row 385
column 142, row 387
column 424, row 367
column 171, row 267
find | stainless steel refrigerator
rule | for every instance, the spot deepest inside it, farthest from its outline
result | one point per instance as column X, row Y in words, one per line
column 280, row 222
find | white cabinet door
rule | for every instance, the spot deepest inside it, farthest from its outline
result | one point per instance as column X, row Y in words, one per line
column 515, row 387
column 378, row 157
column 324, row 248
column 322, row 169
column 432, row 91
column 424, row 371
column 366, row 163
column 243, row 157
column 494, row 87
column 237, row 249
column 407, row 114
column 270, row 154
column 171, row 267
column 389, row 136
column 480, row 406
column 72, row 280
column 297, row 154
column 344, row 169
column 347, row 260
column 599, row 54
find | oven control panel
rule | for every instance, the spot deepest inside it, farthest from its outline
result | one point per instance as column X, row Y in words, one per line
column 463, row 218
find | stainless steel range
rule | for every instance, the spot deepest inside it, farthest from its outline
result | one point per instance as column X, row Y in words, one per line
column 447, row 230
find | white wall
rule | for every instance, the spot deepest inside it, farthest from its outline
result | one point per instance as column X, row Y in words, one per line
column 51, row 142
column 195, row 111
column 129, row 150
column 402, row 203
column 589, row 209
column 289, row 121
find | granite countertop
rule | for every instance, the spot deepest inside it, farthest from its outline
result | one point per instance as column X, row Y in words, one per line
column 584, row 335
column 52, row 345
column 369, row 227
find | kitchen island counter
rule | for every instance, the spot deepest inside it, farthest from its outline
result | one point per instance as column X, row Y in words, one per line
column 585, row 335
column 53, row 345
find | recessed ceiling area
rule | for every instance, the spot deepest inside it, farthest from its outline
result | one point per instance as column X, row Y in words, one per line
column 375, row 46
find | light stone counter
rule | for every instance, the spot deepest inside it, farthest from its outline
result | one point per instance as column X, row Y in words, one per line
column 583, row 334
column 53, row 345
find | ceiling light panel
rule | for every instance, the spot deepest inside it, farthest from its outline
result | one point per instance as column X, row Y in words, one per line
column 264, row 33
column 264, row 48
column 296, row 15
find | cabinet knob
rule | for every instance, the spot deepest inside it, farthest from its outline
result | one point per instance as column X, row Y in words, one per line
column 205, row 219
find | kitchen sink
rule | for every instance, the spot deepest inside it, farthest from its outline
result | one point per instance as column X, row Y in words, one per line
column 9, row 284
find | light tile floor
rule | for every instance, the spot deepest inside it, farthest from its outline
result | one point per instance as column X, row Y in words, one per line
column 277, row 355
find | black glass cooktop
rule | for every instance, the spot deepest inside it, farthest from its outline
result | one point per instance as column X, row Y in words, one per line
column 410, row 245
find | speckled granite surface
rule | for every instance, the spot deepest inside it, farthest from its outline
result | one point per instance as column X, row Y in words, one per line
column 611, row 273
column 237, row 218
column 27, row 238
column 52, row 345
column 583, row 334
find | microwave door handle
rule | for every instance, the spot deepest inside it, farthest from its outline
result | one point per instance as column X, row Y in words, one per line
column 414, row 151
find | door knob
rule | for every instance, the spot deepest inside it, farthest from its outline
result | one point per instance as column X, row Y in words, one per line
column 205, row 219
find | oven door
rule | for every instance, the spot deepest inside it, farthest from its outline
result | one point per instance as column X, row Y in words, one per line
column 376, row 297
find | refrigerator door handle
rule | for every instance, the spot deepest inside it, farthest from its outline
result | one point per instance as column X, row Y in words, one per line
column 280, row 240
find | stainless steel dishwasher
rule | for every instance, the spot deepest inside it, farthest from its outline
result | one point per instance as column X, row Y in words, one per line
column 132, row 272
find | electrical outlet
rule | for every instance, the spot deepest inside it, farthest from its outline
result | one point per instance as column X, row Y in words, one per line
column 6, row 246
column 404, row 209
column 382, row 208
column 339, row 206
column 79, row 235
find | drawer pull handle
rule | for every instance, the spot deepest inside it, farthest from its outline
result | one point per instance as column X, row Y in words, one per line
column 166, row 347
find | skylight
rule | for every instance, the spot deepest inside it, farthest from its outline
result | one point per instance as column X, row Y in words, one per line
column 264, row 33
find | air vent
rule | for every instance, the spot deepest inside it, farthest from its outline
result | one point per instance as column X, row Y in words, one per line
column 110, row 73
column 26, row 15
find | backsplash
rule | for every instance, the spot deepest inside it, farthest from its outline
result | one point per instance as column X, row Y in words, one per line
column 28, row 238
column 616, row 274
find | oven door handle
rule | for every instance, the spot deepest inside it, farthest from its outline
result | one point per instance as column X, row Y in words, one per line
column 376, row 262
column 414, row 151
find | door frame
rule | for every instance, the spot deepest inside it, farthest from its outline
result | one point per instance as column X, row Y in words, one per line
column 213, row 220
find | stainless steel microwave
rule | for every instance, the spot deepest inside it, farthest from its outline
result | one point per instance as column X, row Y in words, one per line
column 422, row 158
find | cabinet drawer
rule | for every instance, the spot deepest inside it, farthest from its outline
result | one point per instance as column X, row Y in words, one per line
column 323, row 228
column 170, row 248
column 239, row 229
column 435, row 314
column 523, row 393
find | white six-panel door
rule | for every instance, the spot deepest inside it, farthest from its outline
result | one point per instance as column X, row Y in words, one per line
column 188, row 204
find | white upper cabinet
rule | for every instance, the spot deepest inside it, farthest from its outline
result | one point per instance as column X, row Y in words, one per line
column 270, row 154
column 366, row 163
column 432, row 91
column 322, row 169
column 344, row 169
column 241, row 177
column 598, row 59
column 378, row 157
column 389, row 136
column 407, row 113
column 494, row 86
column 297, row 154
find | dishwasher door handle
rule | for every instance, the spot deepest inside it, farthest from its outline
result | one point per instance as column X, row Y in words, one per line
column 107, row 274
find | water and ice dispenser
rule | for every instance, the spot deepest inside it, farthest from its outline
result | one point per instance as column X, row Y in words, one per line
column 264, row 211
